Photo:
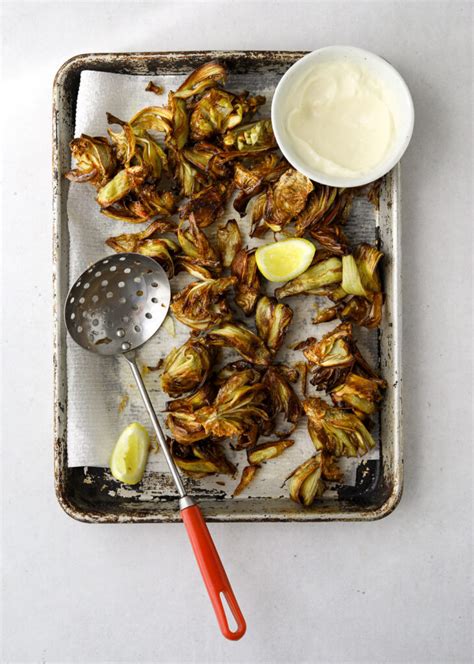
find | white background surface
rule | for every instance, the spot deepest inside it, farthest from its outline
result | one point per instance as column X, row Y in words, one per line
column 398, row 590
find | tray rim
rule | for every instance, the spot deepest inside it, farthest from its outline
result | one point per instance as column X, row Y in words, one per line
column 75, row 65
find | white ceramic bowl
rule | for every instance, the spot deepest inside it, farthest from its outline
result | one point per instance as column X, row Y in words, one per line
column 402, row 110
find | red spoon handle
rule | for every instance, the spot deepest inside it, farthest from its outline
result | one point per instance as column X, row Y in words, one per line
column 213, row 572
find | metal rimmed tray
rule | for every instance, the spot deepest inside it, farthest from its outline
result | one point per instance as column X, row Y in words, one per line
column 90, row 494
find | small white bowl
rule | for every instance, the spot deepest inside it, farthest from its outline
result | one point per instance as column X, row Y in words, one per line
column 402, row 109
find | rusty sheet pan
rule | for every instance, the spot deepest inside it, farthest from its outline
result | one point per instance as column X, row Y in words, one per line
column 91, row 494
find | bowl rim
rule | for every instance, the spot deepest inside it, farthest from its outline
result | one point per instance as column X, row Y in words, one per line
column 341, row 181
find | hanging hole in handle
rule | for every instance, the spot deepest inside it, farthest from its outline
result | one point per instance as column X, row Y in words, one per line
column 231, row 621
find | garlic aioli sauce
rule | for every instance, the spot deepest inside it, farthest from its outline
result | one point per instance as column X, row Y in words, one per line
column 339, row 119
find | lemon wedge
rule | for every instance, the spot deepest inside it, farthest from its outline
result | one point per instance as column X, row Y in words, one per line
column 285, row 260
column 130, row 454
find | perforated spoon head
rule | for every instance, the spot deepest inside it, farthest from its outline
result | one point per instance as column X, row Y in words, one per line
column 117, row 304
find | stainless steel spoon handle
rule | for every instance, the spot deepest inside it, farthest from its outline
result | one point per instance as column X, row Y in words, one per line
column 156, row 425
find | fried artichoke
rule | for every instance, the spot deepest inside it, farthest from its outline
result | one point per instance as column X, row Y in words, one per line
column 247, row 289
column 206, row 76
column 218, row 111
column 123, row 183
column 359, row 271
column 95, row 160
column 324, row 273
column 195, row 244
column 272, row 319
column 336, row 430
column 306, row 483
column 243, row 340
column 248, row 473
column 360, row 394
column 206, row 206
column 283, row 398
column 229, row 242
column 187, row 367
column 145, row 243
column 201, row 459
column 286, row 199
column 332, row 358
column 184, row 426
column 202, row 304
column 238, row 407
column 267, row 451
column 251, row 180
column 250, row 138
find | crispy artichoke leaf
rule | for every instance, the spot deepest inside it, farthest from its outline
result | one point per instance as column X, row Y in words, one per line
column 286, row 199
column 359, row 271
column 194, row 267
column 201, row 397
column 233, row 368
column 267, row 451
column 247, row 289
column 121, row 184
column 154, row 118
column 334, row 349
column 206, row 76
column 95, row 160
column 243, row 340
column 318, row 204
column 351, row 281
column 131, row 242
column 229, row 242
column 150, row 154
column 283, row 398
column 187, row 367
column 336, row 430
column 248, row 473
column 324, row 273
column 306, row 482
column 215, row 113
column 201, row 459
column 367, row 258
column 206, row 205
column 251, row 180
column 362, row 311
column 202, row 304
column 359, row 393
column 249, row 138
column 184, row 427
column 190, row 178
column 272, row 319
column 238, row 406
column 194, row 241
column 123, row 140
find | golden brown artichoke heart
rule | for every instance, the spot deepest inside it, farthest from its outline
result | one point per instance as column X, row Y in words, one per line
column 247, row 289
column 187, row 367
column 283, row 398
column 267, row 451
column 243, row 340
column 272, row 319
column 336, row 430
column 229, row 242
column 306, row 483
column 95, row 160
column 202, row 304
column 286, row 199
column 238, row 407
column 324, row 273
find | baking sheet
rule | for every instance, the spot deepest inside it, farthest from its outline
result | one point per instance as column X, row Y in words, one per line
column 366, row 224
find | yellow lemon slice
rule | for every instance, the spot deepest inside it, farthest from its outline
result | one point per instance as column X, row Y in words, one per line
column 130, row 454
column 285, row 260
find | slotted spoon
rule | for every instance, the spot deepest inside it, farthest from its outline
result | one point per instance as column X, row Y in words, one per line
column 115, row 307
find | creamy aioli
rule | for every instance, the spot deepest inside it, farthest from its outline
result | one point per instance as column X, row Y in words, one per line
column 339, row 119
